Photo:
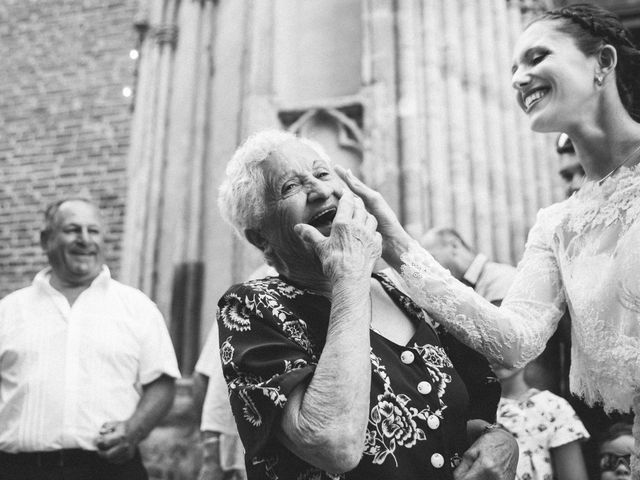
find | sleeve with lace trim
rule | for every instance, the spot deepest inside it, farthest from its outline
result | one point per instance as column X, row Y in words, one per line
column 512, row 334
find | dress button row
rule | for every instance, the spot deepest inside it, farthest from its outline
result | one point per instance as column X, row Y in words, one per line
column 424, row 388
column 407, row 357
column 433, row 422
column 437, row 460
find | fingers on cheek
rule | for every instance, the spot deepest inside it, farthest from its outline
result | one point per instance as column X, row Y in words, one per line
column 372, row 221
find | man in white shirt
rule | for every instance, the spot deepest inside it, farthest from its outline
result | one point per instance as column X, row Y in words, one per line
column 490, row 279
column 87, row 368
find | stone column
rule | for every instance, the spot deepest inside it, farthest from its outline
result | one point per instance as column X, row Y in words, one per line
column 162, row 252
column 466, row 155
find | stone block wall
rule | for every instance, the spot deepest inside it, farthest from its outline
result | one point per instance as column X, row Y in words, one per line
column 64, row 126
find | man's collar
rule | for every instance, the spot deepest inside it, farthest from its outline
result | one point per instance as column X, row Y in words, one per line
column 475, row 269
column 43, row 278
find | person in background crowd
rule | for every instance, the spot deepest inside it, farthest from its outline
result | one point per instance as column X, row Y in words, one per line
column 332, row 371
column 87, row 368
column 575, row 70
column 489, row 279
column 223, row 455
column 616, row 448
column 570, row 169
column 548, row 431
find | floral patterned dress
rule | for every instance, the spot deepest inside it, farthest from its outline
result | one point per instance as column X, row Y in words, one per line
column 271, row 337
column 541, row 421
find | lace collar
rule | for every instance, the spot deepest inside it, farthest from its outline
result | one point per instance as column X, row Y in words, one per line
column 617, row 199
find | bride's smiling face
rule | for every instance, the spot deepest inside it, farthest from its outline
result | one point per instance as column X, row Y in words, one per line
column 553, row 79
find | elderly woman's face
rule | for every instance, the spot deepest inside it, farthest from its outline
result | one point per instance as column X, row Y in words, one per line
column 301, row 187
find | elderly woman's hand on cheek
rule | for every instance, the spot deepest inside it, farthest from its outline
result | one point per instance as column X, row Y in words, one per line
column 353, row 246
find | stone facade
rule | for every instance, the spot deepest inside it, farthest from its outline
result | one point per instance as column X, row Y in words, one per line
column 412, row 94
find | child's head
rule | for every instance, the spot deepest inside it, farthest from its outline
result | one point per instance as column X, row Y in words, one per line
column 615, row 451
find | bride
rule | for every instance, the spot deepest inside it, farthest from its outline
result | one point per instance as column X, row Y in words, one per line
column 575, row 70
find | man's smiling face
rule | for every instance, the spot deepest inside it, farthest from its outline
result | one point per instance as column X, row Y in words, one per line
column 74, row 246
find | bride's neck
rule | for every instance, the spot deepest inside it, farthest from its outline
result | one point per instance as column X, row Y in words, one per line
column 603, row 147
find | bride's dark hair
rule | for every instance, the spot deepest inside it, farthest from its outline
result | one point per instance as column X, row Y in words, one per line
column 591, row 27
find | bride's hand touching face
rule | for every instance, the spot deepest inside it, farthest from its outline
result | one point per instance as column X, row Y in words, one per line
column 395, row 239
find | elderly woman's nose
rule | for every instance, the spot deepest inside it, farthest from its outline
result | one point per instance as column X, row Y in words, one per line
column 320, row 189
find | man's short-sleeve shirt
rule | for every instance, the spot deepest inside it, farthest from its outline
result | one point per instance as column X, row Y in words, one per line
column 216, row 411
column 65, row 370
column 271, row 338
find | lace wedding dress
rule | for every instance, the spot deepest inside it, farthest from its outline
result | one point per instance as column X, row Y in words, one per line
column 582, row 254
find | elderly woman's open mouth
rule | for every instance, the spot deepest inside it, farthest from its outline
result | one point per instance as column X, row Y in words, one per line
column 323, row 220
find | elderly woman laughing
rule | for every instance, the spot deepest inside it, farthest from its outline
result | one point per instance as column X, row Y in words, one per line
column 332, row 371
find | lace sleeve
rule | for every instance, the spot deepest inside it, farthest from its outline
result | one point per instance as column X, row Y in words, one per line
column 512, row 334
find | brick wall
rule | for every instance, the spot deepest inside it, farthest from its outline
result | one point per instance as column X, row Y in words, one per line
column 64, row 123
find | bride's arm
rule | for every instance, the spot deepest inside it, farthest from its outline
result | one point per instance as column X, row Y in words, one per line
column 511, row 334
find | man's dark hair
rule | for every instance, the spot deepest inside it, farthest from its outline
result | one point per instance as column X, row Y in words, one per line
column 52, row 209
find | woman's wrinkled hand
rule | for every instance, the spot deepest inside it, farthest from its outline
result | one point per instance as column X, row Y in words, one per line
column 493, row 456
column 394, row 236
column 354, row 245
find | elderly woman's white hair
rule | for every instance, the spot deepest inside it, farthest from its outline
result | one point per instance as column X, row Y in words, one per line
column 241, row 197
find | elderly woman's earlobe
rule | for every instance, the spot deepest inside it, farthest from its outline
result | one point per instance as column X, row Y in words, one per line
column 256, row 239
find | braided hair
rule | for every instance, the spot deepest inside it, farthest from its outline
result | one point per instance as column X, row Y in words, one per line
column 591, row 27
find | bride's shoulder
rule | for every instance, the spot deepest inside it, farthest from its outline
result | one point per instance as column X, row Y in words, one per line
column 549, row 217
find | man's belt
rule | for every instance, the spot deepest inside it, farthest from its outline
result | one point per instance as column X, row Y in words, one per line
column 53, row 458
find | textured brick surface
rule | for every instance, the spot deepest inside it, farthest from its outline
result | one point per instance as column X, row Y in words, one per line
column 64, row 129
column 64, row 124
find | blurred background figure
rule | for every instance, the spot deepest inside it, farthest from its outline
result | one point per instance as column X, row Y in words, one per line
column 570, row 169
column 489, row 279
column 222, row 452
column 87, row 368
column 548, row 431
column 616, row 447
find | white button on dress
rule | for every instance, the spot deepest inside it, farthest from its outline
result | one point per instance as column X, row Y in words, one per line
column 424, row 388
column 407, row 357
column 437, row 460
column 433, row 422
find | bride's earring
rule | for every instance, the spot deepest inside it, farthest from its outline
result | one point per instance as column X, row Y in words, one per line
column 599, row 80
